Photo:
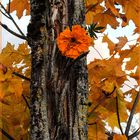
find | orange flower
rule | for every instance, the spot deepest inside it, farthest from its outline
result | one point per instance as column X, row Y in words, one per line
column 73, row 43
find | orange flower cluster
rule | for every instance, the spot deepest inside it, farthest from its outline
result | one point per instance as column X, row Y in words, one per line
column 73, row 43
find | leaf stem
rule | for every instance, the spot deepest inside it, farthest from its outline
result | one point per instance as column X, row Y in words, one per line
column 98, row 52
column 134, row 134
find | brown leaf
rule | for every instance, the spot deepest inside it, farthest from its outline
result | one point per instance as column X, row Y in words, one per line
column 110, row 5
column 122, row 42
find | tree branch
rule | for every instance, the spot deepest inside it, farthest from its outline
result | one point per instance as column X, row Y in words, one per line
column 9, row 6
column 132, row 114
column 22, row 76
column 118, row 115
column 6, row 134
column 12, row 20
column 134, row 134
column 4, row 14
column 12, row 32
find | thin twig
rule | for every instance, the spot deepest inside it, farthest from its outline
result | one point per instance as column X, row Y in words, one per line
column 6, row 134
column 12, row 32
column 22, row 76
column 9, row 7
column 4, row 14
column 134, row 134
column 12, row 20
column 118, row 115
column 98, row 52
column 26, row 101
column 130, row 86
column 132, row 114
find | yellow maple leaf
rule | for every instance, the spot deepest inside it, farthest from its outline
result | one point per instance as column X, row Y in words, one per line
column 108, row 86
column 15, row 86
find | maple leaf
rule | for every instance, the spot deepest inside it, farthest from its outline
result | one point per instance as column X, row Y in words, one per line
column 96, row 131
column 16, row 56
column 133, row 94
column 136, row 75
column 107, row 17
column 19, row 6
column 15, row 86
column 110, row 69
column 1, row 92
column 132, row 10
column 133, row 54
column 122, row 42
column 111, row 45
column 107, row 86
column 110, row 5
column 115, row 47
column 92, row 12
column 119, row 137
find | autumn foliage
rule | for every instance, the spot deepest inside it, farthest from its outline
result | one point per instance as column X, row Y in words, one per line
column 108, row 77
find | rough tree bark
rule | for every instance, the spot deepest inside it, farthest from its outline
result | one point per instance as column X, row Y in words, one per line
column 59, row 85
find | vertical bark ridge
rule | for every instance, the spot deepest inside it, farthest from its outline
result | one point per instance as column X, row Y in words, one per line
column 37, row 41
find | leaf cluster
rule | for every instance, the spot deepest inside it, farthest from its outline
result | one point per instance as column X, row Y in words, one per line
column 107, row 100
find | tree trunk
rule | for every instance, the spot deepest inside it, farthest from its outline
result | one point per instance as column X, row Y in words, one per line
column 59, row 85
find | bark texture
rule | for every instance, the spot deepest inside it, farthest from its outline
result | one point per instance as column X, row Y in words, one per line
column 59, row 85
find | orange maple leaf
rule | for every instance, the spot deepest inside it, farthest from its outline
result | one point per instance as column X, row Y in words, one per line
column 119, row 137
column 19, row 6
